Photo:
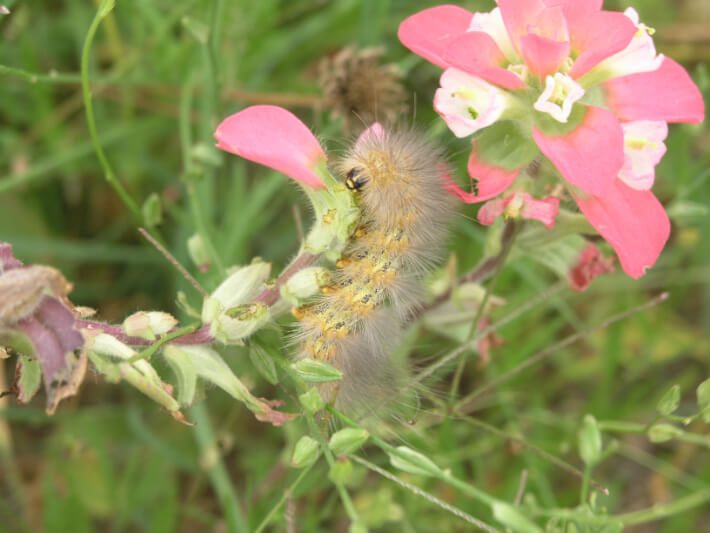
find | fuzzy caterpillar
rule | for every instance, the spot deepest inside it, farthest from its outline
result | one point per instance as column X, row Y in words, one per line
column 405, row 212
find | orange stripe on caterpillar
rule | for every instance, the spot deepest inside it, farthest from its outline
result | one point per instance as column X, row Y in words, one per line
column 405, row 211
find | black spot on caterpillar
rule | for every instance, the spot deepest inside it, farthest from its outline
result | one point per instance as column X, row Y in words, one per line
column 405, row 213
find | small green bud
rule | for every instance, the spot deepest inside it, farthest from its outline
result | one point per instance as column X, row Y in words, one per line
column 306, row 452
column 152, row 211
column 663, row 432
column 305, row 284
column 348, row 440
column 312, row 371
column 148, row 324
column 312, row 401
column 511, row 517
column 590, row 441
column 669, row 401
column 198, row 252
column 341, row 471
column 105, row 344
column 408, row 460
column 703, row 394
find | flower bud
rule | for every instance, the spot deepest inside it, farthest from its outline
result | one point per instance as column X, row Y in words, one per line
column 663, row 433
column 313, row 371
column 237, row 323
column 590, row 441
column 149, row 324
column 347, row 440
column 105, row 344
column 306, row 452
column 312, row 401
column 198, row 252
column 305, row 284
column 341, row 471
column 241, row 286
column 408, row 460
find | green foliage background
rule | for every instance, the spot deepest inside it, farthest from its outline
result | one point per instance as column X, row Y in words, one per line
column 163, row 74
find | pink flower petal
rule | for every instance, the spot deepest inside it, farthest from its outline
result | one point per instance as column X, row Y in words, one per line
column 490, row 211
column 429, row 32
column 590, row 265
column 478, row 54
column 589, row 157
column 487, row 180
column 274, row 137
column 523, row 17
column 521, row 205
column 543, row 56
column 667, row 94
column 633, row 222
column 375, row 131
column 597, row 36
column 544, row 210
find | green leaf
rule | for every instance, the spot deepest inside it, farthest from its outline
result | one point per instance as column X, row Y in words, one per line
column 199, row 30
column 152, row 210
column 341, row 471
column 703, row 393
column 558, row 253
column 305, row 453
column 408, row 460
column 347, row 440
column 590, row 441
column 663, row 432
column 185, row 373
column 28, row 378
column 511, row 517
column 505, row 144
column 669, row 401
column 264, row 363
column 357, row 527
column 313, row 371
column 311, row 401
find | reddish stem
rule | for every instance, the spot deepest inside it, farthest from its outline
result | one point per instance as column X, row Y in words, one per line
column 268, row 296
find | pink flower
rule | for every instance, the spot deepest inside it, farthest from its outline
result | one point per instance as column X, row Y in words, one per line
column 591, row 264
column 585, row 84
column 276, row 138
column 468, row 103
column 521, row 205
column 643, row 150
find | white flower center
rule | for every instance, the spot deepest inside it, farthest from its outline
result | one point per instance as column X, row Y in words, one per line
column 560, row 94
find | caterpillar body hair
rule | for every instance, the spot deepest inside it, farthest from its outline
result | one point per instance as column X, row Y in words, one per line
column 405, row 212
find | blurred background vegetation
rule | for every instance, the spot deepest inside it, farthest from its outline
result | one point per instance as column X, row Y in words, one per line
column 163, row 74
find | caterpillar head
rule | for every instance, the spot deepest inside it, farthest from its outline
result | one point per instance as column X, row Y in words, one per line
column 354, row 179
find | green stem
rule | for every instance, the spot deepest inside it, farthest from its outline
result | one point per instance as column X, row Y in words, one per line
column 665, row 510
column 153, row 348
column 216, row 471
column 508, row 239
column 284, row 496
column 330, row 458
column 586, row 482
column 189, row 179
column 102, row 11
